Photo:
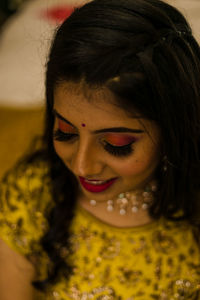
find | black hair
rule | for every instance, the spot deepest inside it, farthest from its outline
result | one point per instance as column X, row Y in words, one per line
column 148, row 46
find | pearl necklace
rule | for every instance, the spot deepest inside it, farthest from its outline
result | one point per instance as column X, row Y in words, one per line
column 133, row 201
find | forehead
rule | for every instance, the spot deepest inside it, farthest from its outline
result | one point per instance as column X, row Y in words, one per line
column 82, row 100
column 96, row 108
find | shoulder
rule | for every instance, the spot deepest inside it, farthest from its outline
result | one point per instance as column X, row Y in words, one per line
column 26, row 170
column 25, row 200
column 27, row 179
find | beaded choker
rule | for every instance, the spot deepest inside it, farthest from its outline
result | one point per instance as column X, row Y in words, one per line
column 131, row 201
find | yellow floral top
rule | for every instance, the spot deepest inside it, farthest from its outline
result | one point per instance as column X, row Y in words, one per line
column 159, row 261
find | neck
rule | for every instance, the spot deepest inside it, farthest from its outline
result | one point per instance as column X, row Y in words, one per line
column 128, row 209
column 114, row 218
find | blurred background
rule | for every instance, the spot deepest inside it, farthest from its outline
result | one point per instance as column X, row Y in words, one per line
column 26, row 31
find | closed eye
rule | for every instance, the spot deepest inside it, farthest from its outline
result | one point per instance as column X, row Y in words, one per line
column 61, row 136
column 120, row 151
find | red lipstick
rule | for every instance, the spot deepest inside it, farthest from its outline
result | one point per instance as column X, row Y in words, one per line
column 96, row 188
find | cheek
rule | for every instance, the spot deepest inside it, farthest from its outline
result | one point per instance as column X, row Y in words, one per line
column 131, row 168
column 137, row 165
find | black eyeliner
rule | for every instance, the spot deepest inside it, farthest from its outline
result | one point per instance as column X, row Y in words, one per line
column 118, row 151
column 61, row 136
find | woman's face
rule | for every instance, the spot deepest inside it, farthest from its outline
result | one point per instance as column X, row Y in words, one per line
column 108, row 151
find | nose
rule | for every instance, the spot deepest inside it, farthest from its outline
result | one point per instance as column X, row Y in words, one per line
column 86, row 161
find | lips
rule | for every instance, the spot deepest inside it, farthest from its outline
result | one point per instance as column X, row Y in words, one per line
column 96, row 186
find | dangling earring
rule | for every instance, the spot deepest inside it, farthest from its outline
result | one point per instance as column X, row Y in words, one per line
column 165, row 163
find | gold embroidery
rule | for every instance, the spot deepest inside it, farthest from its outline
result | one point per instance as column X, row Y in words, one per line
column 157, row 262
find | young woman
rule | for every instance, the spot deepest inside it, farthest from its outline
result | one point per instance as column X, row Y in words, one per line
column 109, row 207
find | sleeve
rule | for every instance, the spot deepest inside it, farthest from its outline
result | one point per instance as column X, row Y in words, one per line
column 22, row 205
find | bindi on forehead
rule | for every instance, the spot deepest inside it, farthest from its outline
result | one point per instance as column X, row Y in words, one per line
column 83, row 125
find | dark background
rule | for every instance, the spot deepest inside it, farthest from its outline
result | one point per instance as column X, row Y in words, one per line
column 8, row 7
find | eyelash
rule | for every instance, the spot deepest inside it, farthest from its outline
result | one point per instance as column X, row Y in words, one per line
column 118, row 150
column 61, row 136
column 114, row 150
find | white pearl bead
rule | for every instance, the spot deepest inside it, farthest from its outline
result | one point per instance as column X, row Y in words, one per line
column 124, row 200
column 122, row 211
column 144, row 206
column 110, row 208
column 134, row 209
column 93, row 202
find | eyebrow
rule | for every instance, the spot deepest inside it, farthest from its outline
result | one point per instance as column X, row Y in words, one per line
column 112, row 129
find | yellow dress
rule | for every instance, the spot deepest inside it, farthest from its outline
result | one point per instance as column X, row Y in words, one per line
column 159, row 261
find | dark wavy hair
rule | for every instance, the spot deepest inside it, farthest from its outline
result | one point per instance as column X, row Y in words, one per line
column 149, row 47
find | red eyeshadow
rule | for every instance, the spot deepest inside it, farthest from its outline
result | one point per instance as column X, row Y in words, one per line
column 67, row 128
column 119, row 140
